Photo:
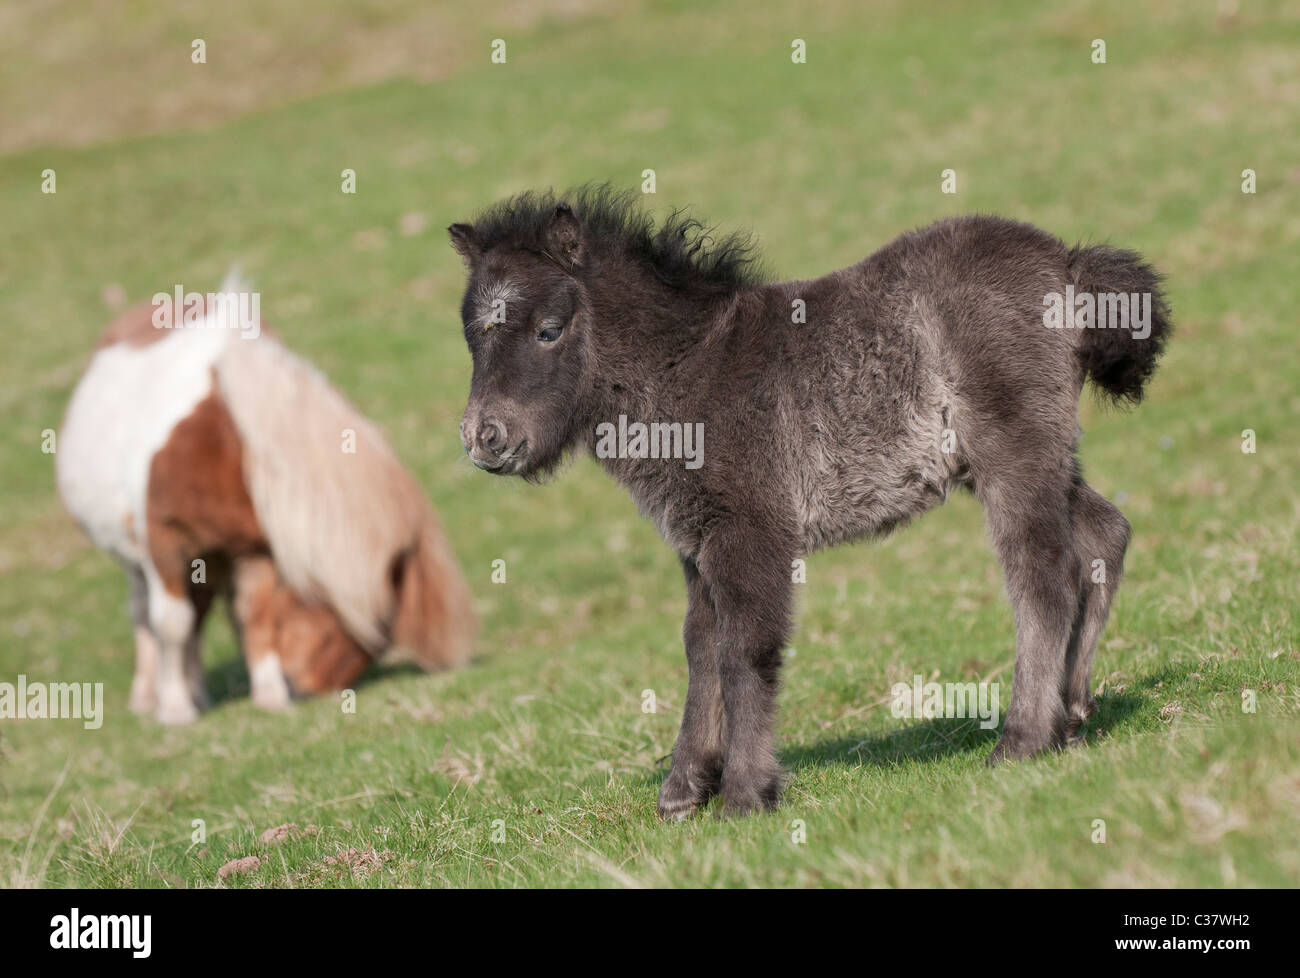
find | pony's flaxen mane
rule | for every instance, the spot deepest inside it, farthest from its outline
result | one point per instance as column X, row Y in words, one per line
column 349, row 528
column 681, row 249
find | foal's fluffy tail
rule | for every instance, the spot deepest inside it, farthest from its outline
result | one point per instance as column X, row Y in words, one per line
column 1120, row 361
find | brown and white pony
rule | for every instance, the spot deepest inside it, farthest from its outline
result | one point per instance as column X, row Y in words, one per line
column 210, row 459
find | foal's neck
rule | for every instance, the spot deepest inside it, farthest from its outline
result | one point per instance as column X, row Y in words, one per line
column 645, row 330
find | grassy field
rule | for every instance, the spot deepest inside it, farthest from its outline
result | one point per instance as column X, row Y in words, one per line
column 536, row 765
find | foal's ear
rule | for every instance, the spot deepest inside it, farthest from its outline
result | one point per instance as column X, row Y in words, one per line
column 564, row 238
column 465, row 240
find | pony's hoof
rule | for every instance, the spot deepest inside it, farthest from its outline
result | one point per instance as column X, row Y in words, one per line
column 177, row 712
column 270, row 690
column 202, row 698
column 142, row 700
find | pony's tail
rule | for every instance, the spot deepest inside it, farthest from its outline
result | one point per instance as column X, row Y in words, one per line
column 433, row 621
column 1120, row 361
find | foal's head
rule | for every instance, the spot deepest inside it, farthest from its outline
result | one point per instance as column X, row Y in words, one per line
column 527, row 323
column 545, row 272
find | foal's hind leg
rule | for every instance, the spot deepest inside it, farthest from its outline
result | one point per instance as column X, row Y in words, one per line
column 697, row 757
column 1101, row 533
column 1029, row 522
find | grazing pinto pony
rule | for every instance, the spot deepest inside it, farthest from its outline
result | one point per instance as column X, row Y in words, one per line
column 210, row 460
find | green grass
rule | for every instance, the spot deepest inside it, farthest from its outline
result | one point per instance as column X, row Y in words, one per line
column 545, row 731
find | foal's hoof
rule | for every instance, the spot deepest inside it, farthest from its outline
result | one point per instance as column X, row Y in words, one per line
column 751, row 795
column 998, row 756
column 1079, row 714
column 676, row 809
column 1014, row 747
column 680, row 797
column 1074, row 731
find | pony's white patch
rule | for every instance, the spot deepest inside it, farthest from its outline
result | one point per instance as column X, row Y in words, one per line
column 270, row 690
column 122, row 412
column 172, row 620
column 144, row 698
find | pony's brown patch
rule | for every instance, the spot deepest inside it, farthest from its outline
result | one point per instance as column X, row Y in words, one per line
column 197, row 502
column 316, row 654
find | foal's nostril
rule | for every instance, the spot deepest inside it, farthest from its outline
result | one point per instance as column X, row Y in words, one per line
column 492, row 436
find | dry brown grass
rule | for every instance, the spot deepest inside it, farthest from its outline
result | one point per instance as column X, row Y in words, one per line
column 75, row 72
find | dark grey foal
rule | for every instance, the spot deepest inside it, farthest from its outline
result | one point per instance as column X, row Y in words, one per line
column 835, row 408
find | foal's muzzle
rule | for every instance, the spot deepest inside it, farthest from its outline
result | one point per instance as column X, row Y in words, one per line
column 487, row 442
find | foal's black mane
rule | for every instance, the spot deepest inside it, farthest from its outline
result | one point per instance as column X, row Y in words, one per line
column 681, row 250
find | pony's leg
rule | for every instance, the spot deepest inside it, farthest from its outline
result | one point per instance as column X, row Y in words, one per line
column 195, row 680
column 697, row 757
column 1101, row 533
column 254, row 609
column 173, row 618
column 747, row 571
column 269, row 689
column 144, row 696
column 1028, row 517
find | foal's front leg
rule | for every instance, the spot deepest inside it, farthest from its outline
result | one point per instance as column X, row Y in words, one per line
column 697, row 758
column 748, row 572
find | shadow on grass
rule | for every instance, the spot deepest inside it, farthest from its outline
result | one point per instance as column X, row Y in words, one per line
column 929, row 740
column 228, row 679
column 1121, row 708
column 936, row 739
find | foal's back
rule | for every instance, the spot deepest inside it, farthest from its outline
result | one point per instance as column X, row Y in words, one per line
column 912, row 359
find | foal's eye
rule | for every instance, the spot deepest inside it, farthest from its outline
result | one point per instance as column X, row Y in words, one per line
column 550, row 334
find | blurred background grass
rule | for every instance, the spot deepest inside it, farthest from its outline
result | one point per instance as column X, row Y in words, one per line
column 170, row 172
